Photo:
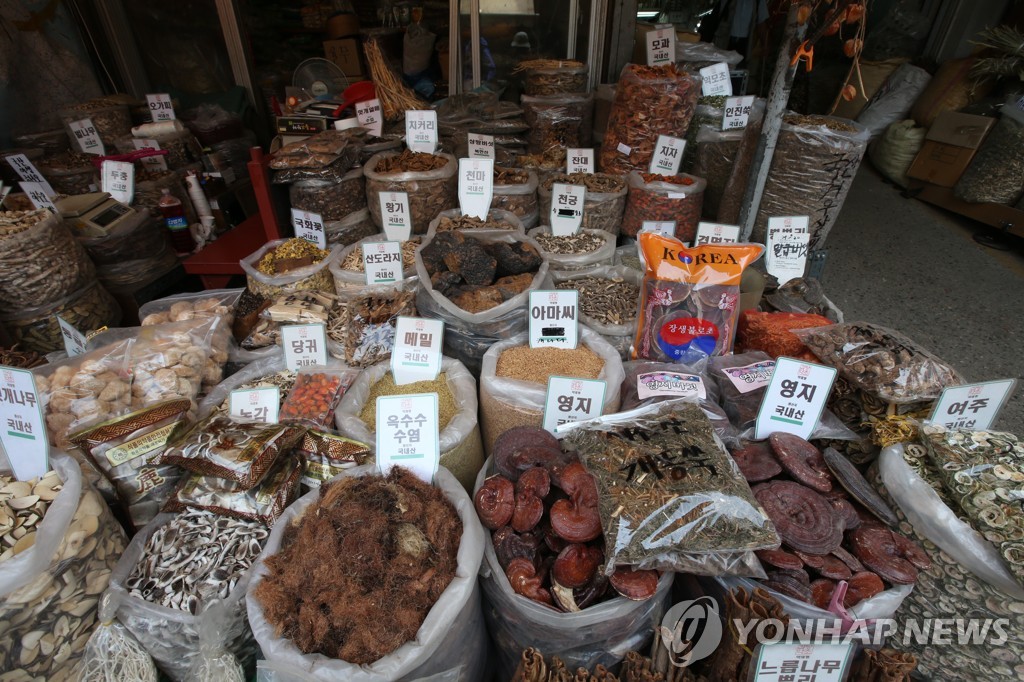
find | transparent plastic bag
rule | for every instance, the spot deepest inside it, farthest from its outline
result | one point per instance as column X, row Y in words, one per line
column 519, row 198
column 996, row 173
column 315, row 395
column 215, row 663
column 894, row 150
column 61, row 576
column 678, row 198
column 316, row 276
column 331, row 200
column 701, row 54
column 254, row 374
column 881, row 362
column 350, row 229
column 618, row 335
column 459, row 441
column 603, row 205
column 430, row 192
column 506, row 403
column 563, row 120
column 112, row 654
column 350, row 274
column 371, row 318
column 560, row 262
column 451, row 636
column 547, row 77
column 498, row 220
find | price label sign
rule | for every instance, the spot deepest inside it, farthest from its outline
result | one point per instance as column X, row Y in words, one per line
column 382, row 262
column 661, row 46
column 305, row 345
column 737, row 112
column 972, row 406
column 716, row 80
column 554, row 319
column 74, row 340
column 309, row 226
column 153, row 163
column 785, row 254
column 750, row 377
column 566, row 208
column 407, row 434
column 668, row 154
column 22, row 429
column 369, row 115
column 421, row 131
column 716, row 233
column 28, row 172
column 782, row 662
column 394, row 215
column 579, row 161
column 662, row 227
column 572, row 400
column 481, row 146
column 416, row 355
column 670, row 384
column 118, row 180
column 36, row 193
column 88, row 139
column 160, row 107
column 795, row 397
column 476, row 186
column 256, row 404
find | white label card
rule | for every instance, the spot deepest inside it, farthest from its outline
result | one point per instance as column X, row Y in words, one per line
column 369, row 115
column 395, row 216
column 663, row 227
column 670, row 384
column 737, row 111
column 28, row 172
column 972, row 406
column 476, row 186
column 716, row 80
column 668, row 154
column 421, row 131
column 160, row 107
column 4, row 191
column 785, row 255
column 566, row 208
column 750, row 377
column 661, row 47
column 795, row 398
column 150, row 162
column 572, row 400
column 480, row 146
column 74, row 340
column 382, row 262
column 416, row 355
column 88, row 139
column 407, row 434
column 305, row 345
column 256, row 404
column 716, row 233
column 309, row 226
column 118, row 180
column 22, row 429
column 36, row 193
column 554, row 318
column 579, row 161
column 813, row 662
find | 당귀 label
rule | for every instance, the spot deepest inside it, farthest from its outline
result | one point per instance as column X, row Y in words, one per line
column 305, row 345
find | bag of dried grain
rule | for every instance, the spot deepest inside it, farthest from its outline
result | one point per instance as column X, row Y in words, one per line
column 451, row 642
column 459, row 438
column 514, row 379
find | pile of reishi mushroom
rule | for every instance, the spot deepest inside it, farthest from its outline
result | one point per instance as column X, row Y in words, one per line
column 541, row 507
column 834, row 526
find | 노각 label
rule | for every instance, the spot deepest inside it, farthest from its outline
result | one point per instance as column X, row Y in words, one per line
column 256, row 404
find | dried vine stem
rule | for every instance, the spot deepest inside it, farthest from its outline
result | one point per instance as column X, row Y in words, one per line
column 395, row 97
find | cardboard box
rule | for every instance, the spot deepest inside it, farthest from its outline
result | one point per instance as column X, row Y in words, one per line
column 999, row 216
column 949, row 146
column 346, row 53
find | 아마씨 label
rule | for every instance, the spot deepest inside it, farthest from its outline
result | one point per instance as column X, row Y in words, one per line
column 87, row 137
column 480, row 146
column 668, row 154
column 554, row 319
column 305, row 345
column 476, row 186
column 416, row 355
column 972, row 406
column 22, row 429
column 579, row 161
column 118, row 180
column 716, row 80
column 737, row 112
column 407, row 434
column 661, row 47
column 382, row 262
column 309, row 226
column 369, row 115
column 795, row 398
column 160, row 107
column 716, row 233
column 670, row 384
column 750, row 377
column 394, row 215
column 566, row 208
column 785, row 255
column 572, row 400
column 256, row 404
column 421, row 131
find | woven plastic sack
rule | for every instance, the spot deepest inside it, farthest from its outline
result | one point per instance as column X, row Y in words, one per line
column 506, row 403
column 429, row 191
column 87, row 308
column 892, row 102
column 663, row 198
column 41, row 264
column 602, row 255
column 600, row 634
column 893, row 152
column 461, row 449
column 601, row 210
column 996, row 173
column 316, row 276
column 451, row 643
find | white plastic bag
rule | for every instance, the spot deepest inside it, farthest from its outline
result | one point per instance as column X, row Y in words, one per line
column 350, row 229
column 601, row 210
column 451, row 638
column 112, row 654
column 461, row 449
column 429, row 191
column 603, row 255
column 316, row 276
column 520, row 199
column 348, row 281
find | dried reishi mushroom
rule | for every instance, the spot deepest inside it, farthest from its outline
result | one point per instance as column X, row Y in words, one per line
column 576, row 519
column 634, row 584
column 851, row 561
column 862, row 586
column 590, row 594
column 821, row 592
column 888, row 554
column 495, row 502
column 756, row 462
column 509, row 545
column 803, row 518
column 789, row 586
column 576, row 565
column 536, row 481
column 846, row 511
column 524, row 447
column 528, row 512
column 858, row 487
column 799, row 575
column 801, row 460
column 522, row 575
column 780, row 558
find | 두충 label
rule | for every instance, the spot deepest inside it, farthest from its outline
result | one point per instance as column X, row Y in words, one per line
column 671, row 384
column 751, row 377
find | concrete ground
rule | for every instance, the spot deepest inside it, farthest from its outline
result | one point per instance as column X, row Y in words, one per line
column 907, row 265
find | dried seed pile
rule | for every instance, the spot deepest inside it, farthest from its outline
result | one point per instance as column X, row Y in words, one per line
column 539, row 364
column 446, row 405
column 195, row 558
column 23, row 505
column 608, row 301
column 392, row 547
column 581, row 242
